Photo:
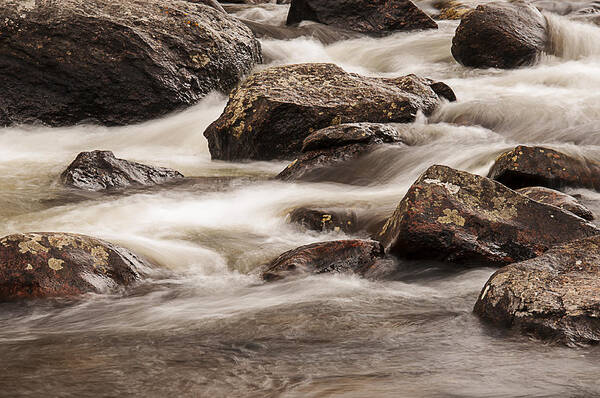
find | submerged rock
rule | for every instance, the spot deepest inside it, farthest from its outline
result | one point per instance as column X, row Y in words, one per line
column 527, row 166
column 362, row 257
column 555, row 296
column 454, row 216
column 324, row 220
column 500, row 35
column 115, row 63
column 100, row 170
column 558, row 199
column 274, row 110
column 365, row 16
column 62, row 265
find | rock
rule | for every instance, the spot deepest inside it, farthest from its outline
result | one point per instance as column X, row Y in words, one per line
column 62, row 265
column 325, row 34
column 453, row 9
column 376, row 17
column 324, row 220
column 555, row 296
column 458, row 217
column 558, row 199
column 358, row 256
column 274, row 110
column 100, row 170
column 527, row 166
column 334, row 145
column 69, row 61
column 500, row 35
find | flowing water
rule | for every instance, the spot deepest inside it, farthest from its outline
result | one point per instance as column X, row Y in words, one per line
column 204, row 325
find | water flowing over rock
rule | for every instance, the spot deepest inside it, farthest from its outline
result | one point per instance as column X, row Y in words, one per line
column 365, row 16
column 114, row 63
column 325, row 220
column 337, row 144
column 458, row 217
column 555, row 296
column 101, row 170
column 527, row 166
column 274, row 110
column 62, row 265
column 558, row 199
column 362, row 257
column 500, row 35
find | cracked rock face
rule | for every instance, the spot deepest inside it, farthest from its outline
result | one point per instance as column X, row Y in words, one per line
column 458, row 217
column 527, row 166
column 63, row 265
column 101, row 170
column 555, row 296
column 271, row 113
column 115, row 62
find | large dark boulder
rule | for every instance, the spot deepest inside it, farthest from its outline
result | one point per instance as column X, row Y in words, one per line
column 555, row 296
column 325, row 220
column 527, row 166
column 62, row 265
column 274, row 110
column 363, row 257
column 558, row 199
column 101, row 170
column 458, row 217
column 366, row 16
column 115, row 62
column 500, row 35
column 335, row 145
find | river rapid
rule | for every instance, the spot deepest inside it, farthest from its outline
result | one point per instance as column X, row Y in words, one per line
column 205, row 325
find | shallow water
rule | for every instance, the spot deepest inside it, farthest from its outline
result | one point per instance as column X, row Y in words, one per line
column 205, row 325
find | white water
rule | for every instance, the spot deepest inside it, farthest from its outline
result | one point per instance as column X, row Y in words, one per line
column 207, row 326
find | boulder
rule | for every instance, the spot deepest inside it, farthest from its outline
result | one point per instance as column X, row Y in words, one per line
column 558, row 199
column 500, row 35
column 101, row 170
column 62, row 265
column 527, row 166
column 375, row 17
column 458, row 217
column 362, row 257
column 338, row 144
column 554, row 296
column 273, row 111
column 325, row 220
column 69, row 61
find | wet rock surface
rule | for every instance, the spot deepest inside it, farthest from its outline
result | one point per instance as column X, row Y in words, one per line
column 527, row 166
column 69, row 61
column 558, row 199
column 500, row 35
column 458, row 217
column 325, row 220
column 273, row 111
column 63, row 265
column 554, row 296
column 366, row 16
column 362, row 257
column 101, row 170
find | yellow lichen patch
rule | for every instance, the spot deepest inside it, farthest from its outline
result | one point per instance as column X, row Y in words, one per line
column 451, row 217
column 32, row 245
column 29, row 267
column 326, row 217
column 60, row 241
column 336, row 120
column 55, row 264
column 100, row 256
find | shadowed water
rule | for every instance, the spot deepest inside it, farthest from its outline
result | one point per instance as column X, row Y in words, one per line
column 205, row 325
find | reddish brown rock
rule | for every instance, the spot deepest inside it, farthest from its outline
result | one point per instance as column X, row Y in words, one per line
column 324, row 220
column 62, row 265
column 554, row 296
column 500, row 35
column 376, row 17
column 273, row 111
column 558, row 199
column 527, row 166
column 363, row 257
column 454, row 216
